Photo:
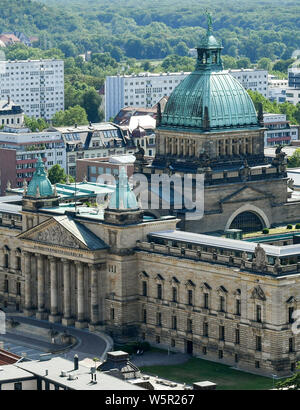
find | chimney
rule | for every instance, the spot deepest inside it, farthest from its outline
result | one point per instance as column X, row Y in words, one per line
column 75, row 362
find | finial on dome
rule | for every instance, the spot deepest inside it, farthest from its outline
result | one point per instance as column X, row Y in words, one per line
column 209, row 21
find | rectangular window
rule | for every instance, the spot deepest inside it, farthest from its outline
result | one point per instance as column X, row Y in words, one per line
column 6, row 285
column 258, row 343
column 205, row 300
column 204, row 350
column 257, row 364
column 144, row 316
column 291, row 311
column 174, row 322
column 159, row 291
column 222, row 304
column 220, row 354
column 174, row 294
column 222, row 332
column 6, row 261
column 237, row 336
column 258, row 313
column 291, row 344
column 158, row 318
column 238, row 307
column 18, row 386
column 18, row 288
column 144, row 288
column 190, row 297
column 112, row 314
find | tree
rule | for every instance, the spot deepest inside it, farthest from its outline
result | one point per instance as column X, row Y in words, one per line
column 291, row 383
column 294, row 160
column 71, row 116
column 34, row 124
column 243, row 62
column 91, row 102
column 264, row 63
column 282, row 65
column 57, row 175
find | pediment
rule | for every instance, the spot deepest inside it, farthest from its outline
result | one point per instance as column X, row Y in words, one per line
column 65, row 232
column 246, row 193
column 52, row 233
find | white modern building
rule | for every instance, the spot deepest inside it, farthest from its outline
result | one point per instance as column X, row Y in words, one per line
column 141, row 90
column 146, row 89
column 252, row 79
column 293, row 95
column 279, row 131
column 35, row 85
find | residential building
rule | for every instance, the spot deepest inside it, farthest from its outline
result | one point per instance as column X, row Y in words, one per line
column 293, row 95
column 252, row 79
column 24, row 147
column 10, row 114
column 91, row 169
column 141, row 132
column 91, row 141
column 35, row 85
column 279, row 131
column 277, row 89
column 138, row 90
column 294, row 77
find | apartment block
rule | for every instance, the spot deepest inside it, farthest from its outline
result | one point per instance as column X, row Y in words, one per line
column 35, row 85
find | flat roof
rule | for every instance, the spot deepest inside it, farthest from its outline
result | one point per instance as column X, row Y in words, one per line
column 226, row 243
column 82, row 375
column 11, row 372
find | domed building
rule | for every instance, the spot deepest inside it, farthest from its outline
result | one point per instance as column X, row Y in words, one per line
column 210, row 128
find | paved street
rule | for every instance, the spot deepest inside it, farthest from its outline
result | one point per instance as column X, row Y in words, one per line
column 89, row 344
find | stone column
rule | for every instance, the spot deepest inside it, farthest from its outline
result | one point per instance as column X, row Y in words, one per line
column 41, row 314
column 230, row 146
column 54, row 317
column 80, row 323
column 94, row 295
column 67, row 320
column 28, row 311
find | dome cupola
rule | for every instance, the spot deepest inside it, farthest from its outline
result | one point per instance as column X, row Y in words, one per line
column 40, row 186
column 209, row 98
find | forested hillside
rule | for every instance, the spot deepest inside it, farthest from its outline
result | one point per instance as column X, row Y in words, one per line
column 157, row 28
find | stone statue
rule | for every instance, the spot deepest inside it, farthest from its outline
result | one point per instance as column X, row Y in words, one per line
column 260, row 258
column 280, row 161
column 245, row 171
column 139, row 155
column 8, row 186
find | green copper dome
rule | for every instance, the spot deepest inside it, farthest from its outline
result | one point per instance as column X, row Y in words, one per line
column 123, row 198
column 209, row 98
column 40, row 184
